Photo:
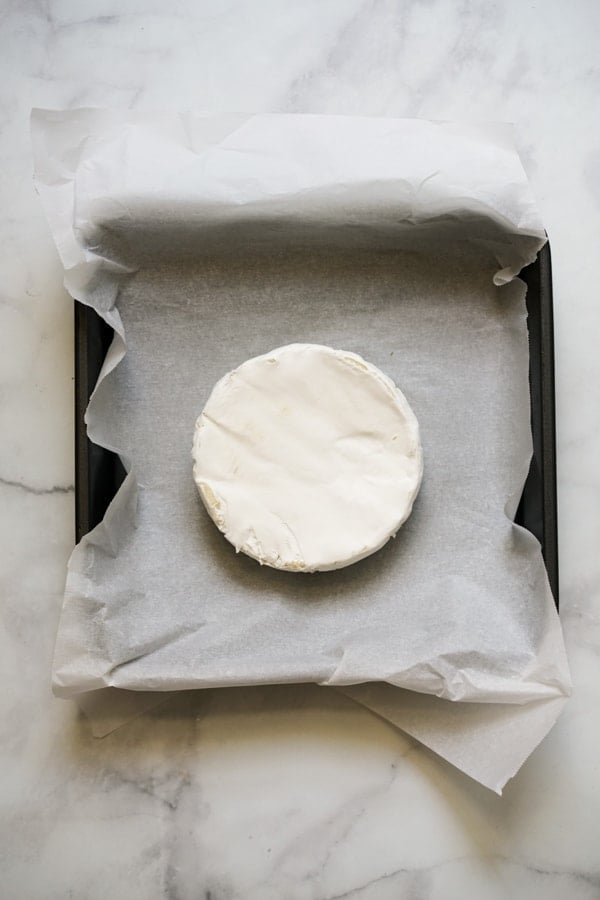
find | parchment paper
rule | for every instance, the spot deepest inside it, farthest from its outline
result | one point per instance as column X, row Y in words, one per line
column 206, row 241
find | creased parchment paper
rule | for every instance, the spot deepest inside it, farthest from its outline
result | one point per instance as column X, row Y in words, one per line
column 204, row 241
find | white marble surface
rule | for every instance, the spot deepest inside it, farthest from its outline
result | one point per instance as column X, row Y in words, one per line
column 285, row 793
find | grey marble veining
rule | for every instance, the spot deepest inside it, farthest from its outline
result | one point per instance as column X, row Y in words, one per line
column 285, row 793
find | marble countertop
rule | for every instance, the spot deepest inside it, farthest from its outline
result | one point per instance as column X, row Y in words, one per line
column 285, row 793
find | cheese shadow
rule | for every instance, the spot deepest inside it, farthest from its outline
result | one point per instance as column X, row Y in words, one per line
column 352, row 581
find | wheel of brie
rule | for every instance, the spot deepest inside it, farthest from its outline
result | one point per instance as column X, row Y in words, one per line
column 307, row 458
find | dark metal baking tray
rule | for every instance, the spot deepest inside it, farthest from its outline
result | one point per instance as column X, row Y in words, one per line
column 99, row 473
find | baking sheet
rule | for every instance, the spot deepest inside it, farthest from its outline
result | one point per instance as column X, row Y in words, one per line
column 458, row 606
column 99, row 473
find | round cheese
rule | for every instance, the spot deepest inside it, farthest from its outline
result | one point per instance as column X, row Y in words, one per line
column 307, row 458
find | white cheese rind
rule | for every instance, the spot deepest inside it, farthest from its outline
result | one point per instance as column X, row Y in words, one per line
column 307, row 458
